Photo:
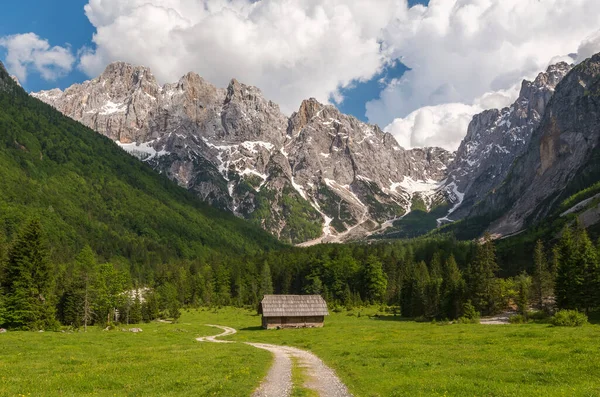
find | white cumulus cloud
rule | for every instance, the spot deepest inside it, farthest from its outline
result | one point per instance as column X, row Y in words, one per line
column 291, row 49
column 28, row 52
column 464, row 55
column 474, row 52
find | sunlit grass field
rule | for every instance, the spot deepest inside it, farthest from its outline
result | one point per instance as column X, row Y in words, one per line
column 373, row 356
column 163, row 360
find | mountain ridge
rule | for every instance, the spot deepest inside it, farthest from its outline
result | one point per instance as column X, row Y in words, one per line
column 316, row 174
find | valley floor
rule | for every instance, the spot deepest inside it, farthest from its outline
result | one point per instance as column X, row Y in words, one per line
column 373, row 356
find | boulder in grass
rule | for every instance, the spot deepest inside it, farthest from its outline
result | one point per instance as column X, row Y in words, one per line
column 2, row 331
column 135, row 330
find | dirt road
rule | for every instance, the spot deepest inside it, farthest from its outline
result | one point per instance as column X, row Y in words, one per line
column 278, row 382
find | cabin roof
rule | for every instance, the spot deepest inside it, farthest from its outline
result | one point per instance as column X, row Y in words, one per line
column 293, row 306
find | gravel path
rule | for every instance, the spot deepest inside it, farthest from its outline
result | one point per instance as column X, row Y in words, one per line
column 500, row 319
column 278, row 382
column 228, row 331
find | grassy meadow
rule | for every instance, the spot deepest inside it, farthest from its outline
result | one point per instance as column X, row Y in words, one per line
column 374, row 356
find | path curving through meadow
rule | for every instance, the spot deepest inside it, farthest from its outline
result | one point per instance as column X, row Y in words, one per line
column 278, row 382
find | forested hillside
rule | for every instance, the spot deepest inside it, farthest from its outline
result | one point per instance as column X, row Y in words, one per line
column 86, row 190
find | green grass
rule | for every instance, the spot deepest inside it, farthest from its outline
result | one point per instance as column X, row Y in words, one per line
column 163, row 360
column 389, row 357
column 374, row 357
column 298, row 381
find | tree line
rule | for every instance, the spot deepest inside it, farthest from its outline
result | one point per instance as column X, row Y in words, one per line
column 428, row 278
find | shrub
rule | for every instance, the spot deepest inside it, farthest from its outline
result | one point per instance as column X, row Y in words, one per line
column 518, row 319
column 466, row 320
column 538, row 316
column 569, row 318
column 469, row 311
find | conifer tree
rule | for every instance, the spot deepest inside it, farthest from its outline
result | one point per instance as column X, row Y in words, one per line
column 481, row 277
column 523, row 284
column 150, row 309
column 588, row 261
column 135, row 316
column 543, row 279
column 266, row 281
column 28, row 281
column 452, row 289
column 569, row 277
column 420, row 281
column 375, row 280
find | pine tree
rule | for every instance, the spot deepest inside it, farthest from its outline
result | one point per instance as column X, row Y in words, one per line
column 569, row 277
column 543, row 280
column 420, row 281
column 135, row 316
column 266, row 281
column 375, row 280
column 2, row 309
column 150, row 309
column 523, row 284
column 314, row 285
column 452, row 289
column 347, row 297
column 28, row 281
column 588, row 261
column 76, row 303
column 481, row 278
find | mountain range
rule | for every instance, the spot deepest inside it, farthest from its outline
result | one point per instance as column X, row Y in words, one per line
column 320, row 175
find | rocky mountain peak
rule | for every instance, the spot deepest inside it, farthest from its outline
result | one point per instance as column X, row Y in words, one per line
column 495, row 138
column 318, row 173
column 560, row 158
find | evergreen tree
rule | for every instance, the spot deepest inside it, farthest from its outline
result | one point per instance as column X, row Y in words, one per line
column 76, row 303
column 28, row 281
column 150, row 309
column 569, row 277
column 266, row 281
column 434, row 287
column 481, row 278
column 375, row 280
column 543, row 279
column 588, row 261
column 347, row 297
column 452, row 289
column 523, row 284
column 108, row 285
column 420, row 281
column 2, row 309
column 314, row 285
column 135, row 315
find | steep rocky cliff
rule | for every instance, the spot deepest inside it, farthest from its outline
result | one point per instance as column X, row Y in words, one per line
column 318, row 174
column 495, row 138
column 562, row 156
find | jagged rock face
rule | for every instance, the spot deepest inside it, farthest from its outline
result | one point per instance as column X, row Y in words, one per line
column 561, row 157
column 495, row 138
column 316, row 174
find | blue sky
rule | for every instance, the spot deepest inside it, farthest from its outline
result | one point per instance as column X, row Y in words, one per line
column 60, row 25
column 67, row 25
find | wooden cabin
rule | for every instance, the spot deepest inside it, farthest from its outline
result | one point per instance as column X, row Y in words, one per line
column 292, row 311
